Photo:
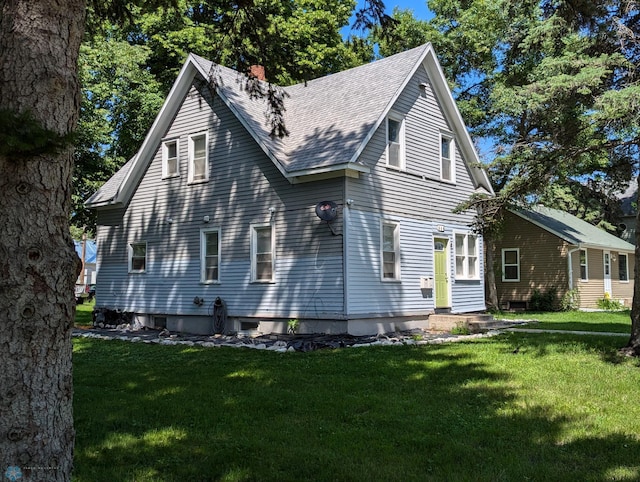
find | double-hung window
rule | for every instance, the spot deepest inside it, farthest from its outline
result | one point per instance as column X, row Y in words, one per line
column 395, row 141
column 623, row 267
column 170, row 159
column 447, row 158
column 137, row 254
column 263, row 253
column 467, row 256
column 210, row 255
column 584, row 271
column 390, row 252
column 198, row 157
column 511, row 264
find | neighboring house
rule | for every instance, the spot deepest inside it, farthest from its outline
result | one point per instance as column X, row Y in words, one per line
column 629, row 208
column 87, row 253
column 345, row 225
column 541, row 248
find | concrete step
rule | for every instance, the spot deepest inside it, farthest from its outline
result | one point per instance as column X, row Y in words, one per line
column 474, row 322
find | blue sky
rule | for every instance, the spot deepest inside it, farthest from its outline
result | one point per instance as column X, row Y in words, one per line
column 419, row 7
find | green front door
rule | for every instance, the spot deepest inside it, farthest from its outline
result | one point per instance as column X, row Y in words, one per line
column 441, row 273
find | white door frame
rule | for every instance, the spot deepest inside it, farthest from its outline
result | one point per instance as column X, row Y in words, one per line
column 606, row 268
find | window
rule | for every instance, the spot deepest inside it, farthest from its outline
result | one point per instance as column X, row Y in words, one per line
column 210, row 255
column 447, row 159
column 198, row 158
column 511, row 264
column 137, row 257
column 395, row 142
column 584, row 272
column 170, row 161
column 262, row 253
column 623, row 267
column 467, row 256
column 390, row 252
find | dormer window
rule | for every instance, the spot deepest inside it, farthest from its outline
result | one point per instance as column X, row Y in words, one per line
column 395, row 141
column 447, row 158
column 170, row 161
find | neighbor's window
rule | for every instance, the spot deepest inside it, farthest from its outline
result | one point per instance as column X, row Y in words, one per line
column 623, row 267
column 395, row 142
column 390, row 253
column 210, row 255
column 447, row 159
column 467, row 256
column 170, row 160
column 262, row 253
column 511, row 264
column 137, row 257
column 584, row 271
column 198, row 158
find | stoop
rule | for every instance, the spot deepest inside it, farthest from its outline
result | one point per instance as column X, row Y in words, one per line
column 474, row 322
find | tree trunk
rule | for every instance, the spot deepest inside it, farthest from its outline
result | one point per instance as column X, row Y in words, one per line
column 490, row 276
column 39, row 46
column 633, row 347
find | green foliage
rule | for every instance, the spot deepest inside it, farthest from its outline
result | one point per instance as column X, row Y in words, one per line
column 460, row 329
column 22, row 136
column 544, row 301
column 609, row 304
column 293, row 325
column 570, row 300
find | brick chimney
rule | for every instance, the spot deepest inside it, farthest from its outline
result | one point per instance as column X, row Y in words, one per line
column 257, row 71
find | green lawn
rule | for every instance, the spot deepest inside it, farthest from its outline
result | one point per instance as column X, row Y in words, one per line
column 84, row 313
column 515, row 407
column 605, row 321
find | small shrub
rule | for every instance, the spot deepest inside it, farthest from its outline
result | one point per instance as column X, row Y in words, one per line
column 460, row 329
column 293, row 325
column 547, row 301
column 571, row 300
column 609, row 304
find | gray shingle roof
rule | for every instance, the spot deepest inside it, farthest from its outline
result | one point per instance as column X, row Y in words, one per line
column 572, row 229
column 330, row 119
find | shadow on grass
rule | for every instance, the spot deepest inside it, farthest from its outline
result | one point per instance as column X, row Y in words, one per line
column 430, row 413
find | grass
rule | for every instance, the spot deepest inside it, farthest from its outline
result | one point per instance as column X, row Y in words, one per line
column 602, row 321
column 84, row 313
column 513, row 407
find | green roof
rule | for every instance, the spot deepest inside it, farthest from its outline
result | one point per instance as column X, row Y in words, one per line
column 572, row 229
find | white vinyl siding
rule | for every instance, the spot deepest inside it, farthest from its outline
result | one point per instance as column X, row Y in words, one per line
column 170, row 159
column 198, row 157
column 262, row 253
column 511, row 264
column 467, row 256
column 210, row 255
column 395, row 141
column 447, row 158
column 137, row 257
column 390, row 252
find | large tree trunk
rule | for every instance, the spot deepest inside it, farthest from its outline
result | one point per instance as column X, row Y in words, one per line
column 490, row 277
column 39, row 45
column 633, row 347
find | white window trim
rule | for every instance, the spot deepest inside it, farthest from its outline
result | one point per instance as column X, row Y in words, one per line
column 130, row 257
column 626, row 266
column 452, row 151
column 396, row 244
column 465, row 265
column 400, row 119
column 191, row 157
column 203, row 251
column 254, row 249
column 165, row 158
column 504, row 264
column 586, row 264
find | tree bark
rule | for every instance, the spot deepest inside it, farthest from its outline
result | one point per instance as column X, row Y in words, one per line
column 633, row 347
column 39, row 46
column 490, row 277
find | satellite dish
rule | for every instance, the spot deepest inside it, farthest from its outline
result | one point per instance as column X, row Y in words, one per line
column 327, row 210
